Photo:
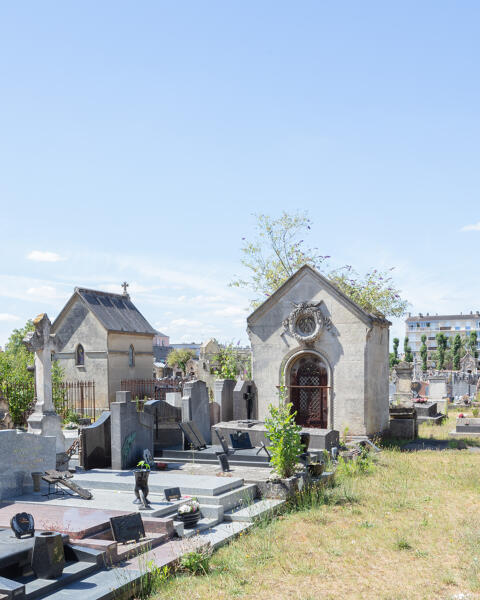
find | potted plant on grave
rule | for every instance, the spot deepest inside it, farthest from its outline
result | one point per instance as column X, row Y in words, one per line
column 189, row 513
column 285, row 449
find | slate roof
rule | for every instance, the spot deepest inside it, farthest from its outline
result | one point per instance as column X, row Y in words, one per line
column 115, row 312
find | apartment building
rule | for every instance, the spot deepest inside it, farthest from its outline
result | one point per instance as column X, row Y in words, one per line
column 430, row 325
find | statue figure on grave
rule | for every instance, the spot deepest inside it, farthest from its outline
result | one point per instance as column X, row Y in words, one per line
column 44, row 420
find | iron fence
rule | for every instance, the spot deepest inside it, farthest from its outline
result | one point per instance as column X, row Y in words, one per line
column 75, row 397
column 152, row 389
column 68, row 397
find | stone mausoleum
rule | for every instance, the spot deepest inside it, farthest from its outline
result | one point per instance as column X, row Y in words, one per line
column 331, row 355
column 103, row 337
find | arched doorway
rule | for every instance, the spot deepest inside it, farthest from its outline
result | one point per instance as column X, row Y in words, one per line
column 309, row 391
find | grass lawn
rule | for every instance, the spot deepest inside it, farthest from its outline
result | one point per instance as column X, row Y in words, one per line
column 409, row 529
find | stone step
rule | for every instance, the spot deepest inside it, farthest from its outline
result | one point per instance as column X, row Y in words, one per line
column 224, row 533
column 75, row 571
column 204, row 524
column 258, row 509
column 213, row 461
column 190, row 485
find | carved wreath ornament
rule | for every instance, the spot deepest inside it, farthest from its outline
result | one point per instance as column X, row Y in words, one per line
column 306, row 322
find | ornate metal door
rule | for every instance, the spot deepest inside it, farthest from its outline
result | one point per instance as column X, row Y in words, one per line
column 309, row 391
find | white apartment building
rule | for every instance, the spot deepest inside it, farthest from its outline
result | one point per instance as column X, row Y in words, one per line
column 430, row 325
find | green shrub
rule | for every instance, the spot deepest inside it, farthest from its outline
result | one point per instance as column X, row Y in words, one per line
column 197, row 563
column 284, row 435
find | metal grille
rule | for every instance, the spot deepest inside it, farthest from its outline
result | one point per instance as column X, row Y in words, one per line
column 308, row 393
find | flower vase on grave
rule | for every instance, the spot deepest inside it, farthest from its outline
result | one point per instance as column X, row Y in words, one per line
column 189, row 514
column 48, row 556
column 141, row 484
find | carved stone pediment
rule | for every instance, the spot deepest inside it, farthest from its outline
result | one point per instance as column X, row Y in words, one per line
column 306, row 322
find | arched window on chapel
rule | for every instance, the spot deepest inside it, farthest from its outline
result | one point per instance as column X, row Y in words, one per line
column 131, row 356
column 79, row 356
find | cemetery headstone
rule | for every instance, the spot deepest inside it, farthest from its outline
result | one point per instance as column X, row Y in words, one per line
column 131, row 432
column 191, row 440
column 195, row 407
column 44, row 420
column 172, row 494
column 244, row 401
column 126, row 528
column 165, row 418
column 23, row 525
column 96, row 444
column 223, row 394
column 403, row 373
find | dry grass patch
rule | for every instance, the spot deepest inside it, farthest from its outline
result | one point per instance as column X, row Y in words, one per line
column 409, row 530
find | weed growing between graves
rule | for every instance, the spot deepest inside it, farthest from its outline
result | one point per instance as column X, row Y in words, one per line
column 196, row 562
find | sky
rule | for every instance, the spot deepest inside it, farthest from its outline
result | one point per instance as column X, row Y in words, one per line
column 139, row 140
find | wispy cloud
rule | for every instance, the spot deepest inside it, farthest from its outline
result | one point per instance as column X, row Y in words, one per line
column 8, row 317
column 45, row 292
column 41, row 256
column 474, row 227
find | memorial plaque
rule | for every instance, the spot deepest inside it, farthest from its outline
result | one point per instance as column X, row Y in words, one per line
column 172, row 494
column 192, row 439
column 223, row 460
column 198, row 434
column 126, row 528
column 22, row 525
column 241, row 440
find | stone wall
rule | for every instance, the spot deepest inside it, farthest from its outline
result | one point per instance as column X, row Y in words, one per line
column 20, row 455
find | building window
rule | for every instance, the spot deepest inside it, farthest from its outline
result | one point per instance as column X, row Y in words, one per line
column 79, row 356
column 131, row 356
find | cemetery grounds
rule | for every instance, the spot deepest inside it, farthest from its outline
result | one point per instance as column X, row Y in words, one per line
column 409, row 528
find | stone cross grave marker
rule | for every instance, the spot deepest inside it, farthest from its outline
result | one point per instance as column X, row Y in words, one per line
column 44, row 420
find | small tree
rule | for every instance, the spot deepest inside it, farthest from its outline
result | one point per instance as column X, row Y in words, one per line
column 424, row 352
column 472, row 343
column 284, row 435
column 228, row 362
column 442, row 342
column 180, row 357
column 407, row 351
column 279, row 250
column 15, row 377
column 394, row 355
column 456, row 349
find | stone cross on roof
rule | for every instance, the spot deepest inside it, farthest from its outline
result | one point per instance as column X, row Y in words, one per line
column 125, row 285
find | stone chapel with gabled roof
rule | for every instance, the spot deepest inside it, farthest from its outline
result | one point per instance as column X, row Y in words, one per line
column 329, row 353
column 103, row 337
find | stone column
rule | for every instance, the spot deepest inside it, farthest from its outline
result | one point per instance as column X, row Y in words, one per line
column 403, row 394
column 44, row 420
column 223, row 394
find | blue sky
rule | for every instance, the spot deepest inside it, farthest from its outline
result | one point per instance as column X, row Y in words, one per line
column 138, row 139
